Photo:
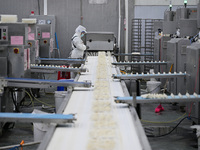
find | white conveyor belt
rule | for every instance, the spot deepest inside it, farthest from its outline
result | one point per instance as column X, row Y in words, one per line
column 76, row 136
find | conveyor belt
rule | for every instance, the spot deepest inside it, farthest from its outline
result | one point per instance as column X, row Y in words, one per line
column 165, row 99
column 133, row 54
column 41, row 118
column 60, row 61
column 140, row 63
column 148, row 76
column 77, row 136
column 35, row 83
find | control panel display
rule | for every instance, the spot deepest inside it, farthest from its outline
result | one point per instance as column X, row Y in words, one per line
column 3, row 33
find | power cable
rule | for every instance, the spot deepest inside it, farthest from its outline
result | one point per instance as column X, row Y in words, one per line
column 172, row 129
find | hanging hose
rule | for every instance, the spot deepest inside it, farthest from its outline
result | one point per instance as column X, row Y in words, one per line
column 57, row 45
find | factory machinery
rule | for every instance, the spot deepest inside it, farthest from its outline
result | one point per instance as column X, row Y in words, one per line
column 105, row 115
column 176, row 62
column 177, row 31
column 92, row 115
column 102, row 109
column 104, row 120
column 101, row 123
column 24, row 55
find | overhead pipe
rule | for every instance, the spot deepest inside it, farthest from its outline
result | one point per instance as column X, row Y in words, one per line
column 119, row 25
column 45, row 7
column 126, row 26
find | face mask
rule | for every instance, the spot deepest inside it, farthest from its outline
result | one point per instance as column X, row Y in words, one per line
column 82, row 35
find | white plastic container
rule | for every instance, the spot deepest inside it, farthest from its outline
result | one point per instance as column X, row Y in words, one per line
column 9, row 18
column 29, row 20
column 59, row 97
column 153, row 86
column 39, row 129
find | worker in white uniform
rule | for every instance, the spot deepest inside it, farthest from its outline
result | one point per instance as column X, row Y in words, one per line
column 78, row 46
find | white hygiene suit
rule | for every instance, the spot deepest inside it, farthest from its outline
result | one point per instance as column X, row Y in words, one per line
column 78, row 46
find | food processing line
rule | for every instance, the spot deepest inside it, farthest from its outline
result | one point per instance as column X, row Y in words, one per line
column 176, row 52
column 46, row 61
column 172, row 35
column 19, row 57
column 100, row 122
column 18, row 77
column 190, row 82
column 97, row 110
column 179, row 73
column 179, row 29
column 104, row 115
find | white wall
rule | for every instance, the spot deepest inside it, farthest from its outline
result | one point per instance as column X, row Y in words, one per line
column 164, row 2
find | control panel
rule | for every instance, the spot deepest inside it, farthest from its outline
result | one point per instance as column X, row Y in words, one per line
column 3, row 33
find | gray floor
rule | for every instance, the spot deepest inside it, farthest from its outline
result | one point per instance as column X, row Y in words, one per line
column 183, row 138
column 24, row 131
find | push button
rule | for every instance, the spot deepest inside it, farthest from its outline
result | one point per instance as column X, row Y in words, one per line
column 16, row 50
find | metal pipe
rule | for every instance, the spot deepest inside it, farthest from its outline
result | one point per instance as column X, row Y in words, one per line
column 126, row 26
column 119, row 25
column 81, row 12
column 45, row 7
column 148, row 76
column 139, row 63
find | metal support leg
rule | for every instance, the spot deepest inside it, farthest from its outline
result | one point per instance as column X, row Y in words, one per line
column 135, row 88
column 197, row 113
column 1, row 124
column 138, row 107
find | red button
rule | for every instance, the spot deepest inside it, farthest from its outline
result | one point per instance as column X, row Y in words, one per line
column 16, row 50
column 4, row 37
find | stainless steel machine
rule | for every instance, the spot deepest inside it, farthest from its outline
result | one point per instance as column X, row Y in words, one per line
column 45, row 34
column 169, row 23
column 100, row 41
column 15, row 60
column 14, row 53
column 176, row 58
column 160, row 50
column 186, row 19
column 18, row 50
column 192, row 68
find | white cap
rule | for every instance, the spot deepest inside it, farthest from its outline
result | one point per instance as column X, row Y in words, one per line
column 80, row 29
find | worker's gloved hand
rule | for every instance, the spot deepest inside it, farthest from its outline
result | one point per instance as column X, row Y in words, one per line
column 87, row 47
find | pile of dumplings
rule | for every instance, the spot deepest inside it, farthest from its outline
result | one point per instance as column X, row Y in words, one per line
column 103, row 131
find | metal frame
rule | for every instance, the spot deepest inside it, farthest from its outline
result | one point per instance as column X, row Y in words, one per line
column 140, row 131
column 149, row 41
column 132, row 54
column 44, row 69
column 168, row 99
column 43, row 145
column 37, row 118
column 50, row 61
column 140, row 63
column 148, row 76
column 136, row 37
column 35, row 83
